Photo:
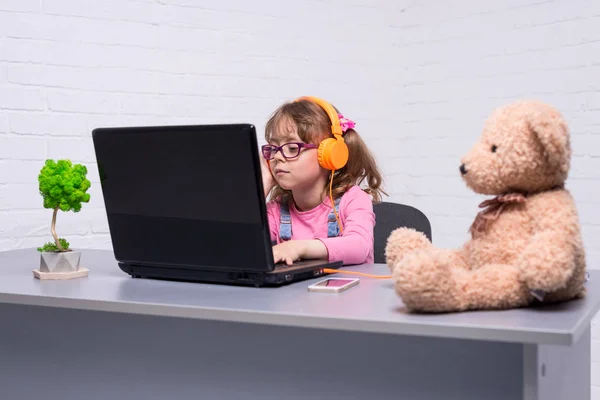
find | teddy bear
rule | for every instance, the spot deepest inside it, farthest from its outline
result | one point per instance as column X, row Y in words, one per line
column 525, row 244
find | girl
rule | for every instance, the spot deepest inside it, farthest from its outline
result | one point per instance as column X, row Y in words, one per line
column 313, row 165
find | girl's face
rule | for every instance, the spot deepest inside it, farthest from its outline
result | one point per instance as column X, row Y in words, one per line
column 299, row 173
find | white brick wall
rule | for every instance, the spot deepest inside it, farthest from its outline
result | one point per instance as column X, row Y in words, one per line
column 419, row 77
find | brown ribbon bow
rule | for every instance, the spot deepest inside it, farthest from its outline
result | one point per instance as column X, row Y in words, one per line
column 492, row 210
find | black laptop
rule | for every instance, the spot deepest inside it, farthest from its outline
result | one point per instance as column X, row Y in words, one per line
column 187, row 203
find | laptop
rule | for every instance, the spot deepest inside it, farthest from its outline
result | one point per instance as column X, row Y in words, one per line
column 187, row 203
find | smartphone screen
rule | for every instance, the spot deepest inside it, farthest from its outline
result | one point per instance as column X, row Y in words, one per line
column 333, row 282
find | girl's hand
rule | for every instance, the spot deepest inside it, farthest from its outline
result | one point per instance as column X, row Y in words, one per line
column 295, row 250
column 288, row 252
column 267, row 177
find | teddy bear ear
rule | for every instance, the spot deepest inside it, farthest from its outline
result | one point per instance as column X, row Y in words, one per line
column 551, row 130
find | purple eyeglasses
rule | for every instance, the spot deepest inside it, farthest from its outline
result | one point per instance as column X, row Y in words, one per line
column 289, row 150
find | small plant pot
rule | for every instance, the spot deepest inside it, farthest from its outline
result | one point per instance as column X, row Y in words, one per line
column 60, row 265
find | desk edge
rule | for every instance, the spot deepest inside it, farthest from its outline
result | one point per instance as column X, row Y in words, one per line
column 300, row 321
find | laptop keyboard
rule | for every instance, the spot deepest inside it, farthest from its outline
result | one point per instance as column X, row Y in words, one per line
column 299, row 264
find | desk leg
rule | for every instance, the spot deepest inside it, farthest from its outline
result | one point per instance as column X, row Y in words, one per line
column 558, row 372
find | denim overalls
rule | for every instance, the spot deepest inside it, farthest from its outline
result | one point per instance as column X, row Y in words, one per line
column 285, row 221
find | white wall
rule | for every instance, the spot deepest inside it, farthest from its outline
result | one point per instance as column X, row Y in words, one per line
column 419, row 77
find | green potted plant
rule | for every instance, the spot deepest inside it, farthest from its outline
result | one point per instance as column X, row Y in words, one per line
column 63, row 187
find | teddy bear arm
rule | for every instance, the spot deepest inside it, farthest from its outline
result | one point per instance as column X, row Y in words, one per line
column 548, row 262
column 549, row 259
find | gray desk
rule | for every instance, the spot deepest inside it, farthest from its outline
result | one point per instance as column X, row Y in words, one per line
column 109, row 336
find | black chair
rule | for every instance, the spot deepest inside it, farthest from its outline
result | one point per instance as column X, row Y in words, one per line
column 389, row 216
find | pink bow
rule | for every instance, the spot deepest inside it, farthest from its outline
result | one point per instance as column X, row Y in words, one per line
column 346, row 123
column 492, row 209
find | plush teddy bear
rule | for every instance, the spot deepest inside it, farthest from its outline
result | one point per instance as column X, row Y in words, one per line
column 525, row 243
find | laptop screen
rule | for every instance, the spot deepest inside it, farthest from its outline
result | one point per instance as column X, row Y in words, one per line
column 187, row 196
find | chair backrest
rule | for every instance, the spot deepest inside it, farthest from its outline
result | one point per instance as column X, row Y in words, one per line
column 389, row 216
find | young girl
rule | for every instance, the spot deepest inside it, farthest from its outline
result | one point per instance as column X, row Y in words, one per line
column 313, row 165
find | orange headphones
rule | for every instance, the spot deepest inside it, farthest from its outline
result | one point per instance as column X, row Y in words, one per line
column 332, row 152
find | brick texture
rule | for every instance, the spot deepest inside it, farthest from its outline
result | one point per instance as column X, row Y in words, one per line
column 419, row 77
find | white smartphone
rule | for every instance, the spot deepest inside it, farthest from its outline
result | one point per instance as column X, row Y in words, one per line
column 333, row 285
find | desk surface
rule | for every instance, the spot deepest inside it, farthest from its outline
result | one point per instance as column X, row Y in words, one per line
column 372, row 306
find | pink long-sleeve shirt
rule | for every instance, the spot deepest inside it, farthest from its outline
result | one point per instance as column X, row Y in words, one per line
column 354, row 245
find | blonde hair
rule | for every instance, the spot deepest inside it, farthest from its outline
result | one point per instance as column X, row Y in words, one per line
column 313, row 126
